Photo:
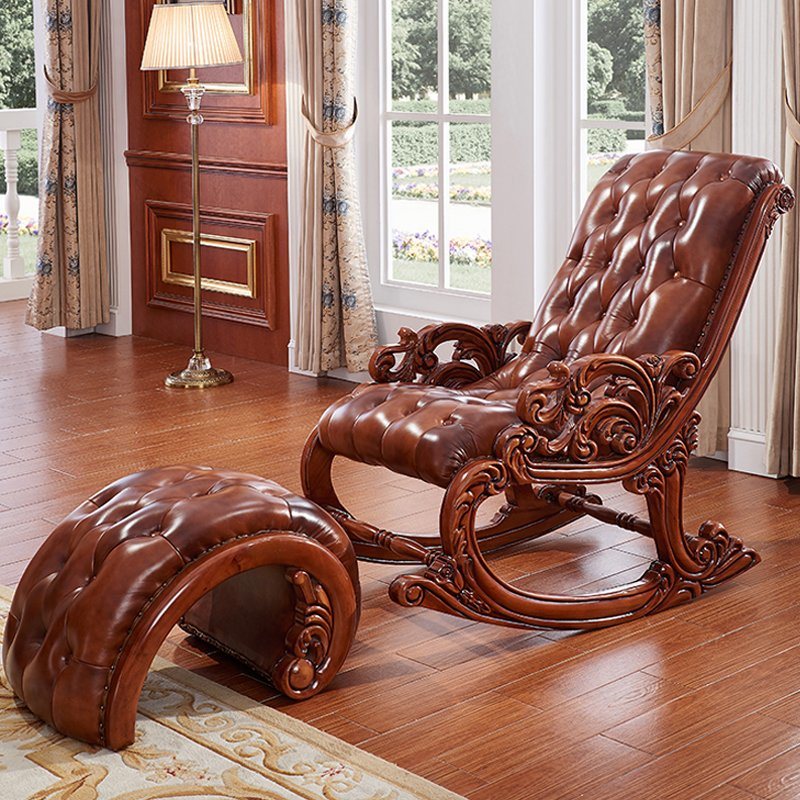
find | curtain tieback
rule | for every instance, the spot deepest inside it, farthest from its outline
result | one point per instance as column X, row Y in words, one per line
column 701, row 115
column 64, row 96
column 792, row 123
column 331, row 139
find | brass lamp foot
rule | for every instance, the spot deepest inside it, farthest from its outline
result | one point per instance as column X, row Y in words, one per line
column 199, row 374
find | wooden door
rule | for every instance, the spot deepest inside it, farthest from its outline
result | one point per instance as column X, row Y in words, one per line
column 243, row 192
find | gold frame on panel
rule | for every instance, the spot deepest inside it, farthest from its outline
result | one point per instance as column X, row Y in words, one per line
column 247, row 86
column 170, row 236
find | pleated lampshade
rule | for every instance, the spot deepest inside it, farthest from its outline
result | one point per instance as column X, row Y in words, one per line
column 190, row 35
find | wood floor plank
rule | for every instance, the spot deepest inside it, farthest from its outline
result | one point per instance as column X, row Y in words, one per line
column 704, row 764
column 566, row 775
column 778, row 777
column 699, row 712
column 551, row 687
column 725, row 655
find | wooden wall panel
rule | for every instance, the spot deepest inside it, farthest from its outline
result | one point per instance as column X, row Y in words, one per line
column 243, row 193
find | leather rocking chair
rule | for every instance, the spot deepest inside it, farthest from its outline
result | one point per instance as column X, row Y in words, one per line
column 625, row 343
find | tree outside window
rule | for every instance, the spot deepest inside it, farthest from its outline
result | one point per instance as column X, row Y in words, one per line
column 615, row 82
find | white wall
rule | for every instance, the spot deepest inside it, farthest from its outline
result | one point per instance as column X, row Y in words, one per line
column 757, row 130
column 114, row 121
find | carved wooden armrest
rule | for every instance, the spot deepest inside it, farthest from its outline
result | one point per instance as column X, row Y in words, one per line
column 601, row 407
column 487, row 348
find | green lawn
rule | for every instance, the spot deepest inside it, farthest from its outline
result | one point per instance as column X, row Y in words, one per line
column 27, row 246
column 462, row 276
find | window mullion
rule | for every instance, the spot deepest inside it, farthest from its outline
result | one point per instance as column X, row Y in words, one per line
column 444, row 204
column 444, row 142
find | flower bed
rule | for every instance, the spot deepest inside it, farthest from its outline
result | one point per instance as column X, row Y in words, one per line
column 424, row 247
column 420, row 183
column 432, row 170
column 474, row 195
column 603, row 159
column 27, row 227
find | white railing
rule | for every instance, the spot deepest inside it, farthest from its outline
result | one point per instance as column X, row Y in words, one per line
column 14, row 284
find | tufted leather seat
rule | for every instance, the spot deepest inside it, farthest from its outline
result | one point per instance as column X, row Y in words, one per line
column 128, row 555
column 649, row 256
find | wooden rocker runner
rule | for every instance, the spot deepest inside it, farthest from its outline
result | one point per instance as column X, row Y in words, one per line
column 623, row 347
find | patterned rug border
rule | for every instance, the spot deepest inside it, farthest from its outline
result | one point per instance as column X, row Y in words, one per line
column 343, row 751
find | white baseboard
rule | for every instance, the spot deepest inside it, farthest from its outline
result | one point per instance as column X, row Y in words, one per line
column 67, row 333
column 17, row 289
column 341, row 374
column 119, row 324
column 747, row 452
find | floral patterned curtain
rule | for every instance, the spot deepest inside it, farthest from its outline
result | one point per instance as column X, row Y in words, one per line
column 71, row 285
column 336, row 325
column 652, row 47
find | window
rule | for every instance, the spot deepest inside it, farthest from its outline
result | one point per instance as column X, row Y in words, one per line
column 613, row 104
column 17, row 97
column 483, row 129
column 436, row 159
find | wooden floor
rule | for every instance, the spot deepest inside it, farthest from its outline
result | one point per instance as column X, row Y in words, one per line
column 703, row 701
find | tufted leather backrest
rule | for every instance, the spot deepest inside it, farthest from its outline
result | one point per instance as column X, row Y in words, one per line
column 650, row 256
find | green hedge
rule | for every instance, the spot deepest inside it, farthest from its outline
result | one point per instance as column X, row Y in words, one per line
column 28, row 166
column 606, row 140
column 481, row 106
column 420, row 145
column 415, row 143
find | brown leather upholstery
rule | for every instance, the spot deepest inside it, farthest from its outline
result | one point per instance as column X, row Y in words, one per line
column 110, row 563
column 648, row 258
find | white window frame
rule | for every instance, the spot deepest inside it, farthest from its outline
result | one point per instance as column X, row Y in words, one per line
column 435, row 300
column 534, row 108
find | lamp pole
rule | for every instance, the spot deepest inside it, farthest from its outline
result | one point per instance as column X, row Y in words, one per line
column 199, row 373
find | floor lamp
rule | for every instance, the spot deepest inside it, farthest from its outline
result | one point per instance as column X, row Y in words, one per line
column 190, row 36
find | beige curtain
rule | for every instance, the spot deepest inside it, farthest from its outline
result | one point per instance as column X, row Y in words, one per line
column 783, row 431
column 336, row 319
column 689, row 49
column 71, row 284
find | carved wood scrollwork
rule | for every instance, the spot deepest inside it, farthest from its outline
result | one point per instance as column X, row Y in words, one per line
column 487, row 348
column 308, row 640
column 701, row 561
column 601, row 407
column 784, row 203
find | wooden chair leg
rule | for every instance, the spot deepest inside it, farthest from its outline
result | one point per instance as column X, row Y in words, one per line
column 698, row 562
column 460, row 581
column 523, row 517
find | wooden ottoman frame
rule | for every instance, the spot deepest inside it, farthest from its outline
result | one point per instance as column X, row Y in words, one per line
column 107, row 587
column 624, row 345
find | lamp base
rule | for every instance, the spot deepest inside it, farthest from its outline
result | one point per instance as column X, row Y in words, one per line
column 199, row 374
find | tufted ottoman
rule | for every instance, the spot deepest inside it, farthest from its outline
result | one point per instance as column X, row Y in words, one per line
column 263, row 574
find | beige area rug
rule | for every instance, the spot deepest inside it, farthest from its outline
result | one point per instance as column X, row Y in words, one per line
column 195, row 740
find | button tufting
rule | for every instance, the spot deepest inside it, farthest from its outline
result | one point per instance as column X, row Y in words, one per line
column 677, row 275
